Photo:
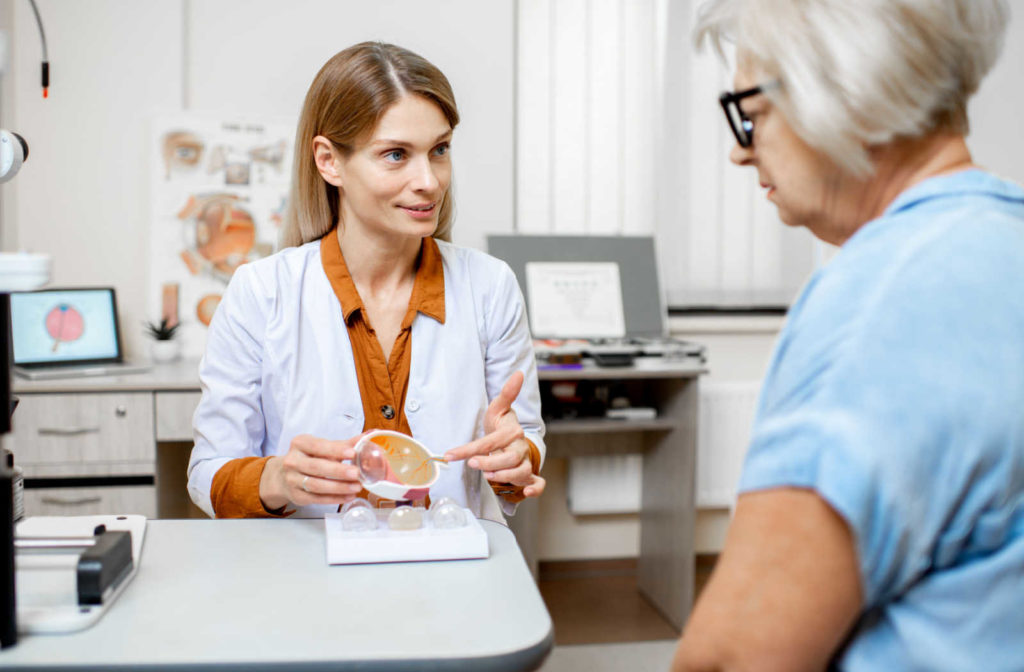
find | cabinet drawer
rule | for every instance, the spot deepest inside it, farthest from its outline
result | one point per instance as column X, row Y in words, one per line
column 174, row 411
column 121, row 499
column 53, row 431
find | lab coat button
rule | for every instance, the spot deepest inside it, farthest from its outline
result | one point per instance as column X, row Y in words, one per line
column 414, row 405
column 387, row 411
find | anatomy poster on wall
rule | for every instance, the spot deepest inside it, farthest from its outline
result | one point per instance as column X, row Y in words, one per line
column 219, row 195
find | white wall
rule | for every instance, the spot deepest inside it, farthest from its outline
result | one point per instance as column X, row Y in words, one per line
column 82, row 195
column 115, row 64
column 996, row 139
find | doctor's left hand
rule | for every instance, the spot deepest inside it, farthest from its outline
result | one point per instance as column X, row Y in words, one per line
column 503, row 453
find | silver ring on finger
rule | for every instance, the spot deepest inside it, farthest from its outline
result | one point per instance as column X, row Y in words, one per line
column 305, row 483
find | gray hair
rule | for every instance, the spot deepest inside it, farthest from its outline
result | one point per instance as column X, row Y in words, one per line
column 860, row 73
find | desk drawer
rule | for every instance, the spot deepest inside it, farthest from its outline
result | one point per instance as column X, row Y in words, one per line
column 120, row 499
column 54, row 434
column 174, row 411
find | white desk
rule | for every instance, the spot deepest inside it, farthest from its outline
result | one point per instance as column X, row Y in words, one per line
column 226, row 595
column 162, row 402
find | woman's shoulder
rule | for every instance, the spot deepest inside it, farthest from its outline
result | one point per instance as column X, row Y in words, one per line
column 275, row 272
column 472, row 261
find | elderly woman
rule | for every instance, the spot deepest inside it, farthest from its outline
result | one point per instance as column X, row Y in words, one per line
column 880, row 524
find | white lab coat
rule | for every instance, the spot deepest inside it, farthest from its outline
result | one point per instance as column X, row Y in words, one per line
column 279, row 363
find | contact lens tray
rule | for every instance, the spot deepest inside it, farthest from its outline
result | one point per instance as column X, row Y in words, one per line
column 383, row 544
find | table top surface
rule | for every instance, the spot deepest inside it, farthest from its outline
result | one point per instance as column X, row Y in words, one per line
column 183, row 376
column 259, row 594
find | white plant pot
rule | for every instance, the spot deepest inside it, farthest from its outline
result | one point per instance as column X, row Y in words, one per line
column 165, row 351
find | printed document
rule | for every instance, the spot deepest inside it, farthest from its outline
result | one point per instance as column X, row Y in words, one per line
column 575, row 300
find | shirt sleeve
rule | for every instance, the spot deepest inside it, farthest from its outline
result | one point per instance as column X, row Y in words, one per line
column 229, row 423
column 235, row 492
column 513, row 494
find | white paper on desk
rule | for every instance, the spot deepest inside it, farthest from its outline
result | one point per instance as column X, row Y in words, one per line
column 575, row 299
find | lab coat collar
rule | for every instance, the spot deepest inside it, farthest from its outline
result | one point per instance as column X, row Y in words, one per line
column 427, row 292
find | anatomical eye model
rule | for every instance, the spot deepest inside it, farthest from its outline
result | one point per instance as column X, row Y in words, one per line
column 396, row 466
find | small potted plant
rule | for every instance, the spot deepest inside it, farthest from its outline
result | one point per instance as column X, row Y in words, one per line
column 164, row 348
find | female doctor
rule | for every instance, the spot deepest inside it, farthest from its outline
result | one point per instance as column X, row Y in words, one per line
column 369, row 318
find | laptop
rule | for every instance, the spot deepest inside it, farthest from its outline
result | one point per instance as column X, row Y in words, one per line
column 641, row 325
column 67, row 333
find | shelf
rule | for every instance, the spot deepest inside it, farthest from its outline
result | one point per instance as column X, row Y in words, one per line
column 608, row 426
column 644, row 368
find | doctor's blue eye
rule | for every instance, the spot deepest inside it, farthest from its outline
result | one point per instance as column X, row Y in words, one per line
column 394, row 155
column 442, row 149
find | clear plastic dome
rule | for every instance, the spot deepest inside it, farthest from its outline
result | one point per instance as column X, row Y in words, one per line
column 358, row 516
column 448, row 516
column 405, row 518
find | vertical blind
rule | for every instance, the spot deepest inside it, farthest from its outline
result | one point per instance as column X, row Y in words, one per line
column 619, row 132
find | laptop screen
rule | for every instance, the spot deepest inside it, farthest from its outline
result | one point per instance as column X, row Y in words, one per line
column 643, row 309
column 54, row 327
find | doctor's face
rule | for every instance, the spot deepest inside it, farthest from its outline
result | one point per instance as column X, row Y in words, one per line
column 393, row 182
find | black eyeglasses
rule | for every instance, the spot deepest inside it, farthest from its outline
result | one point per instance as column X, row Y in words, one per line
column 741, row 125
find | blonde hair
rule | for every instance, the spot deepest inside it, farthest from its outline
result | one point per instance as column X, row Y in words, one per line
column 344, row 103
column 860, row 73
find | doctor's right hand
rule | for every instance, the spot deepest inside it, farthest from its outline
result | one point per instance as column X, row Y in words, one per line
column 311, row 472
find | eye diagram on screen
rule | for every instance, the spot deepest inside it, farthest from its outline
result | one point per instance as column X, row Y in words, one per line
column 64, row 324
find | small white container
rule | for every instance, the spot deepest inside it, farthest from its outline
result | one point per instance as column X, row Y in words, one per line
column 165, row 351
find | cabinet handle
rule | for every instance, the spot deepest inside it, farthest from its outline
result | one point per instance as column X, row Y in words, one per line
column 67, row 431
column 121, row 411
column 71, row 502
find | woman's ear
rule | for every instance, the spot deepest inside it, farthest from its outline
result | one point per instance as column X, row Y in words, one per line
column 326, row 159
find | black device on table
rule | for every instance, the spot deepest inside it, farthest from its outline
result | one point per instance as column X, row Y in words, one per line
column 613, row 359
column 8, row 615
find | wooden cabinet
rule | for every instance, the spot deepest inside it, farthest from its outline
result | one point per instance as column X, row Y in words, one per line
column 89, row 445
column 174, row 411
column 72, row 501
column 96, row 434
column 86, row 454
column 668, row 444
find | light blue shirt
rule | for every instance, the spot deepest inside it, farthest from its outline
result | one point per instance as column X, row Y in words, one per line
column 896, row 392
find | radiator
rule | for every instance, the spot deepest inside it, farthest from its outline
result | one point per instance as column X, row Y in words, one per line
column 723, row 432
column 611, row 484
column 604, row 484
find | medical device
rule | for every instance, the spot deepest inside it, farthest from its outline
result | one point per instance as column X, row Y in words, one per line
column 46, row 58
column 17, row 272
column 13, row 152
